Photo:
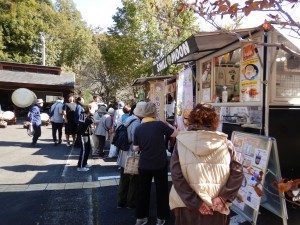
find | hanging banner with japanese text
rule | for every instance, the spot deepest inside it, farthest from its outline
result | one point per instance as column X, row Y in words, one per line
column 184, row 99
column 157, row 95
column 251, row 73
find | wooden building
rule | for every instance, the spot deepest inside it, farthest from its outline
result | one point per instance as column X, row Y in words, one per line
column 47, row 82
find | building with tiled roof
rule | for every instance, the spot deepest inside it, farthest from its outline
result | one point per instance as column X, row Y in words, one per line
column 47, row 82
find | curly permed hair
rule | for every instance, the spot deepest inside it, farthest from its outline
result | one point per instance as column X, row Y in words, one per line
column 204, row 115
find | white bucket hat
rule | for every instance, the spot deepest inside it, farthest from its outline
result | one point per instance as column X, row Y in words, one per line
column 111, row 111
column 39, row 100
column 145, row 109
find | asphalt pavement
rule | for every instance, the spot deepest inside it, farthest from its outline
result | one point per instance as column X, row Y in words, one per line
column 40, row 186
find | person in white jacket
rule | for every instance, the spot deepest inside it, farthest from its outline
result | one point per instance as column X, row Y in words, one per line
column 205, row 172
column 118, row 114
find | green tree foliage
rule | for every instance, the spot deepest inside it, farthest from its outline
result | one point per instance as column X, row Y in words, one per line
column 140, row 35
column 68, row 39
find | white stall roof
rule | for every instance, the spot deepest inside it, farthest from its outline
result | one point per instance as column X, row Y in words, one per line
column 288, row 34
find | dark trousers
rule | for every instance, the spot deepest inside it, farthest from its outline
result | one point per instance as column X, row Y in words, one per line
column 101, row 145
column 85, row 144
column 37, row 133
column 127, row 193
column 144, row 191
column 57, row 127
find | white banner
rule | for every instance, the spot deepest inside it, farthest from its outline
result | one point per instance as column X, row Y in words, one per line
column 157, row 95
column 184, row 99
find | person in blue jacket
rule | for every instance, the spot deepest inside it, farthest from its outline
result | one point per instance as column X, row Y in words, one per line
column 79, row 108
column 35, row 120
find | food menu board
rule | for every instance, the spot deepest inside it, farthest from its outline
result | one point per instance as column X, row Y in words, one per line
column 253, row 154
column 251, row 73
column 259, row 157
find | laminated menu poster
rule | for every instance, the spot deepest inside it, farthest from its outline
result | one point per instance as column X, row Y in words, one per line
column 259, row 156
column 253, row 153
column 251, row 73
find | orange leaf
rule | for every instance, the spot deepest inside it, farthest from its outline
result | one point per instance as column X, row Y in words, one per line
column 222, row 8
column 284, row 187
column 233, row 8
column 258, row 191
column 182, row 8
column 255, row 6
column 247, row 11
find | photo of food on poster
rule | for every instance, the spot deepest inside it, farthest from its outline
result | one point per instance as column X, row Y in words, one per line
column 184, row 98
column 251, row 74
column 247, row 160
column 252, row 199
column 260, row 158
column 240, row 199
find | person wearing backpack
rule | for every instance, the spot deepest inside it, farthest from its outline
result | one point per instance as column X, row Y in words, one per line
column 127, row 192
column 103, row 124
column 56, row 118
column 78, row 110
column 70, row 124
column 84, row 133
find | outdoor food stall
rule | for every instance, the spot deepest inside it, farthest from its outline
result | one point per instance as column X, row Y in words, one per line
column 161, row 90
column 255, row 86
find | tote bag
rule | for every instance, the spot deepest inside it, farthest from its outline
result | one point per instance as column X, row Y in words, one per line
column 132, row 164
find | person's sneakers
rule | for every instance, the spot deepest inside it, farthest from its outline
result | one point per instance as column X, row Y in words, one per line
column 88, row 166
column 83, row 169
column 130, row 207
column 68, row 144
column 60, row 141
column 141, row 221
column 55, row 143
column 160, row 222
column 34, row 145
column 120, row 206
column 102, row 156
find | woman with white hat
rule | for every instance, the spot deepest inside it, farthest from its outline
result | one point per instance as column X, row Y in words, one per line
column 35, row 120
column 153, row 163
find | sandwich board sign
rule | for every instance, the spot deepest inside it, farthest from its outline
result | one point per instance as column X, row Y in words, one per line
column 259, row 156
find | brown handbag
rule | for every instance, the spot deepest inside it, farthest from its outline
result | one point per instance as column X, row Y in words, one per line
column 132, row 164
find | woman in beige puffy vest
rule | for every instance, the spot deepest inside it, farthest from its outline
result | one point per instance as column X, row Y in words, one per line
column 206, row 176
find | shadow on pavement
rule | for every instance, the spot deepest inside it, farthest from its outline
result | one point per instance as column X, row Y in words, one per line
column 109, row 214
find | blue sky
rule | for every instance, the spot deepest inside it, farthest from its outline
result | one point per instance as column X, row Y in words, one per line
column 98, row 12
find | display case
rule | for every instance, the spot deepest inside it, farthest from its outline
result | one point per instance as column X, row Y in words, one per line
column 231, row 81
column 285, row 73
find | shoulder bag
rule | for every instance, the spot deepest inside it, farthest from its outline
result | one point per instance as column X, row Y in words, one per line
column 132, row 164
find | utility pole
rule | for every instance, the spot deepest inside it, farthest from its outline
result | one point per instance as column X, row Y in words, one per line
column 43, row 48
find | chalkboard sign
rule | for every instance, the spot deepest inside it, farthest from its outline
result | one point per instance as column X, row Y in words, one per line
column 259, row 157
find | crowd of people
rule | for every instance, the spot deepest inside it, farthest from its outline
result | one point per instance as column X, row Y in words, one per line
column 205, row 172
